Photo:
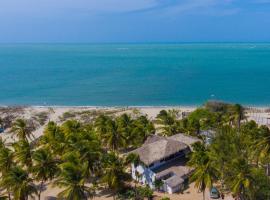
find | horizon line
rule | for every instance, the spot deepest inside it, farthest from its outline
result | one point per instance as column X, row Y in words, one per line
column 96, row 43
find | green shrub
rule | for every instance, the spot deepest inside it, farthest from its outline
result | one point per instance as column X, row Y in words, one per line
column 165, row 198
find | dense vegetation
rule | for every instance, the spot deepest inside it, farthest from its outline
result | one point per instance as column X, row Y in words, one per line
column 74, row 156
column 238, row 156
column 83, row 157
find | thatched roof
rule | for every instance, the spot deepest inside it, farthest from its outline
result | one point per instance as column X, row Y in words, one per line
column 156, row 148
column 153, row 138
column 189, row 140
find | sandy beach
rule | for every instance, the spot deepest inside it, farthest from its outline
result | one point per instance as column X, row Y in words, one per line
column 61, row 113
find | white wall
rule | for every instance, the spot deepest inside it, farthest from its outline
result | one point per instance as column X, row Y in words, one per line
column 146, row 175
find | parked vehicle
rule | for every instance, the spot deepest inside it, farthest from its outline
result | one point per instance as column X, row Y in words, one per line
column 214, row 193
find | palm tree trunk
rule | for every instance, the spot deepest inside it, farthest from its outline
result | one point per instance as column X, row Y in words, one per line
column 40, row 189
column 203, row 194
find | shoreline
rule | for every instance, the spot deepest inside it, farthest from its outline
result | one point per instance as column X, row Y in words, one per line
column 125, row 106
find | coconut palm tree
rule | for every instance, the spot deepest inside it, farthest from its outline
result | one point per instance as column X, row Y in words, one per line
column 44, row 168
column 113, row 171
column 169, row 125
column 237, row 114
column 2, row 143
column 71, row 127
column 125, row 126
column 262, row 146
column 90, row 154
column 53, row 138
column 19, row 183
column 6, row 160
column 113, row 138
column 242, row 181
column 72, row 180
column 205, row 174
column 141, row 130
column 6, row 163
column 21, row 129
column 101, row 124
column 23, row 152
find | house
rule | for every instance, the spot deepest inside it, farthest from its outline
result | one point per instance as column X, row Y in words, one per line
column 208, row 136
column 163, row 161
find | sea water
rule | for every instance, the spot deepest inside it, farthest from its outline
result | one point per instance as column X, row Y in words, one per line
column 134, row 74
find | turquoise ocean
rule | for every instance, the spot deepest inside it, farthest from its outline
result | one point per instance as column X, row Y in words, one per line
column 134, row 74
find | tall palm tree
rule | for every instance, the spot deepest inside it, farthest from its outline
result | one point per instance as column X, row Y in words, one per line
column 90, row 153
column 71, row 127
column 21, row 129
column 23, row 152
column 262, row 146
column 2, row 143
column 6, row 163
column 238, row 114
column 6, row 160
column 44, row 168
column 19, row 183
column 134, row 159
column 113, row 171
column 101, row 124
column 72, row 180
column 113, row 138
column 141, row 130
column 242, row 181
column 53, row 138
column 125, row 126
column 204, row 173
column 168, row 123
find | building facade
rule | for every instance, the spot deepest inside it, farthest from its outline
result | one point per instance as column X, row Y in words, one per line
column 163, row 162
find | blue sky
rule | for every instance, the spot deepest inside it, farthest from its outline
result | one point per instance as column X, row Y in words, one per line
column 134, row 20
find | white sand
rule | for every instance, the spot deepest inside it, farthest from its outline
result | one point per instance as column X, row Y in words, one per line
column 258, row 114
column 189, row 194
column 54, row 114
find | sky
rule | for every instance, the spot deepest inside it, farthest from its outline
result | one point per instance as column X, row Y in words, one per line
column 101, row 21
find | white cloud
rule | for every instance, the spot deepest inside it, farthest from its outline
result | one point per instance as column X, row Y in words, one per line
column 52, row 8
column 206, row 7
column 90, row 5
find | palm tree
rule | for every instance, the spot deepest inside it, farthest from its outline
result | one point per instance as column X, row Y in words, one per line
column 238, row 114
column 72, row 179
column 21, row 129
column 19, row 183
column 2, row 143
column 6, row 162
column 205, row 173
column 113, row 171
column 23, row 153
column 141, row 130
column 262, row 146
column 125, row 126
column 53, row 138
column 101, row 124
column 90, row 153
column 44, row 168
column 169, row 125
column 242, row 181
column 71, row 127
column 113, row 138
